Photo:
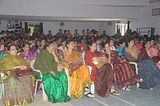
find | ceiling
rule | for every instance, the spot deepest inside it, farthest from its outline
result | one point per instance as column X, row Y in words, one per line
column 81, row 3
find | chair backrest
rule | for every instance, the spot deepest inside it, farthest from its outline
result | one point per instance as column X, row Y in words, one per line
column 32, row 66
column 83, row 55
column 32, row 63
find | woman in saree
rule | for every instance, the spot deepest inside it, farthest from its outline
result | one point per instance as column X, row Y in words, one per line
column 131, row 52
column 102, row 74
column 18, row 90
column 53, row 78
column 125, row 75
column 78, row 72
column 27, row 54
column 58, row 52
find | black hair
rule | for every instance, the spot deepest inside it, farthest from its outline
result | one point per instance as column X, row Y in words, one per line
column 26, row 43
column 9, row 45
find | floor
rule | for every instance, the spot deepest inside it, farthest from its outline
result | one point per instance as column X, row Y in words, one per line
column 135, row 97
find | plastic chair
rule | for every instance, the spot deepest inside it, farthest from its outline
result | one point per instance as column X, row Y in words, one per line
column 136, row 67
column 38, row 80
column 1, row 87
column 67, row 73
column 92, row 85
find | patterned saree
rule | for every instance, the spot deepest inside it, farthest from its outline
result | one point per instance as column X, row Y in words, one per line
column 18, row 90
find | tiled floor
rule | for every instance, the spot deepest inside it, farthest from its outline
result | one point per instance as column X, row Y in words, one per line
column 135, row 97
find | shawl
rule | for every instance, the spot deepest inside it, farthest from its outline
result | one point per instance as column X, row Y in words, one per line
column 45, row 62
column 9, row 62
column 133, row 52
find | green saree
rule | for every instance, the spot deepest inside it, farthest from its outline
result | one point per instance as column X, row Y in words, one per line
column 56, row 87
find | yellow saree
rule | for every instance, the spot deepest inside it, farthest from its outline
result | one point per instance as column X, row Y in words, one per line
column 79, row 77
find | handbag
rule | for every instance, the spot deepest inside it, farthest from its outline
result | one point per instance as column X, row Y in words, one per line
column 21, row 73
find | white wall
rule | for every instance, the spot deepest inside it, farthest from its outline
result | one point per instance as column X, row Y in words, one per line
column 146, row 19
column 3, row 25
column 55, row 26
column 73, row 8
column 109, row 27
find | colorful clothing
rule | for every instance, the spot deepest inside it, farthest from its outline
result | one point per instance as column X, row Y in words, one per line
column 149, row 73
column 88, row 60
column 131, row 54
column 28, row 57
column 56, row 87
column 104, row 79
column 2, row 54
column 18, row 90
column 139, row 46
column 151, row 53
column 125, row 74
column 120, row 51
column 79, row 77
column 112, row 48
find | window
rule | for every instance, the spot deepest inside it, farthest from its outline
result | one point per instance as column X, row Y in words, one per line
column 121, row 28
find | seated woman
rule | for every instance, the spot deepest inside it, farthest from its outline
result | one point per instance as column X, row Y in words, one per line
column 131, row 52
column 54, row 79
column 139, row 45
column 121, row 48
column 78, row 72
column 147, row 69
column 102, row 74
column 58, row 52
column 27, row 54
column 18, row 90
column 152, row 53
column 125, row 75
column 111, row 45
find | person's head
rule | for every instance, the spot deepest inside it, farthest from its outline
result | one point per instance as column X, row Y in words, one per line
column 70, row 44
column 63, row 43
column 107, row 46
column 43, row 42
column 111, row 43
column 152, row 42
column 26, row 47
column 130, row 43
column 83, row 32
column 55, row 45
column 37, row 43
column 2, row 40
column 104, row 32
column 98, row 42
column 92, row 46
column 141, row 40
column 11, row 48
column 50, row 47
column 49, row 32
column 147, row 44
column 60, row 30
column 121, row 43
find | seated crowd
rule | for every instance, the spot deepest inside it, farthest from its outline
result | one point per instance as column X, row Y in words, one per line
column 73, row 65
